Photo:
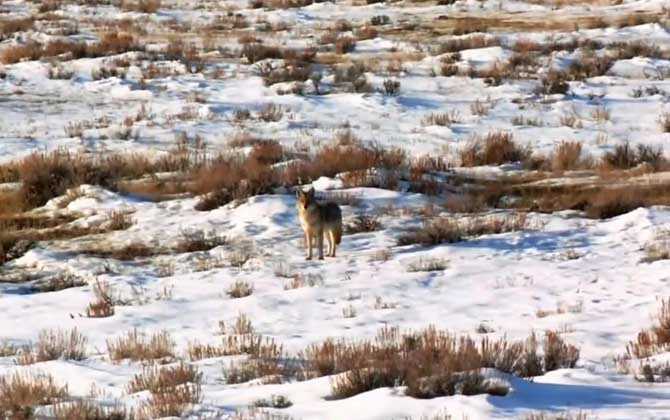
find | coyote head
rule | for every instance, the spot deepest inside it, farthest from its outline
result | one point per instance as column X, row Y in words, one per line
column 305, row 198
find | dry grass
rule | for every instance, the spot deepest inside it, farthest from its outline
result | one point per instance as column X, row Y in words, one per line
column 54, row 345
column 496, row 148
column 137, row 346
column 580, row 415
column 445, row 119
column 431, row 363
column 363, row 222
column 440, row 230
column 568, row 156
column 84, row 409
column 103, row 305
column 61, row 281
column 154, row 378
column 654, row 340
column 21, row 393
column 625, row 156
column 240, row 289
column 428, row 264
column 171, row 401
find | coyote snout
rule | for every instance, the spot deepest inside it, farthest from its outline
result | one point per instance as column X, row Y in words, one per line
column 317, row 220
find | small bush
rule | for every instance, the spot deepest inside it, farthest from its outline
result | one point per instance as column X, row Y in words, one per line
column 363, row 222
column 567, row 156
column 625, row 156
column 240, row 289
column 448, row 230
column 83, row 409
column 103, row 305
column 155, row 379
column 654, row 340
column 54, row 345
column 119, row 220
column 20, row 393
column 138, row 347
column 172, row 401
column 427, row 264
column 199, row 240
column 61, row 281
column 275, row 401
column 496, row 148
column 445, row 119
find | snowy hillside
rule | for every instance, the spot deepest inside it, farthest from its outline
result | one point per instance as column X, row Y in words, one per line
column 502, row 174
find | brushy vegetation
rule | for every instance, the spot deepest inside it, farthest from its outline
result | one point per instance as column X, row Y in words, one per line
column 136, row 346
column 21, row 393
column 54, row 345
column 444, row 229
column 654, row 340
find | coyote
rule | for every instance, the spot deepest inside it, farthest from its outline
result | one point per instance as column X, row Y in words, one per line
column 317, row 220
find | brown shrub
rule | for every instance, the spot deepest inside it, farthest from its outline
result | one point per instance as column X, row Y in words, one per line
column 54, row 345
column 449, row 230
column 103, row 305
column 154, row 378
column 199, row 240
column 172, row 401
column 429, row 362
column 496, row 148
column 19, row 52
column 445, row 119
column 82, row 409
column 254, row 52
column 363, row 222
column 654, row 340
column 554, row 82
column 20, row 393
column 137, row 346
column 568, row 156
column 471, row 42
column 624, row 156
column 240, row 289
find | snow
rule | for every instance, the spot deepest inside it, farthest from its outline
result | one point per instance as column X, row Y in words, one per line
column 607, row 294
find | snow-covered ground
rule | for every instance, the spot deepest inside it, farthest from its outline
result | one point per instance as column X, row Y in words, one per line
column 579, row 276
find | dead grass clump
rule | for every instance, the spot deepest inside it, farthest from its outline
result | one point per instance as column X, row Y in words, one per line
column 467, row 43
column 61, row 281
column 119, row 220
column 54, row 345
column 255, row 52
column 127, row 252
column 363, row 222
column 172, row 401
column 199, row 240
column 445, row 119
column 103, row 305
column 428, row 264
column 589, row 65
column 84, row 409
column 13, row 54
column 654, row 340
column 496, row 148
column 154, row 378
column 240, row 289
column 430, row 363
column 625, row 156
column 137, row 346
column 568, row 156
column 21, row 393
column 449, row 230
